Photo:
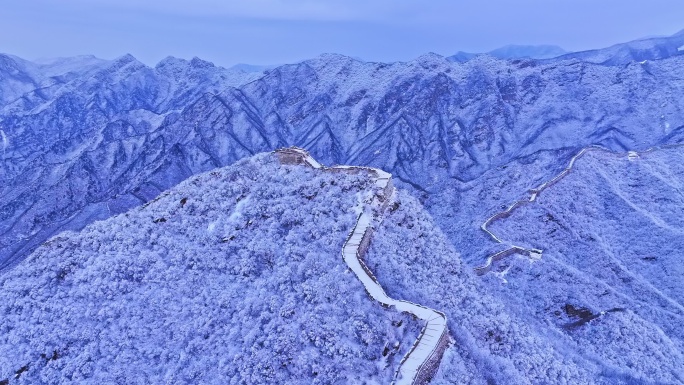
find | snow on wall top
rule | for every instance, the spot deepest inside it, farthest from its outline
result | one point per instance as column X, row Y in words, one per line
column 422, row 361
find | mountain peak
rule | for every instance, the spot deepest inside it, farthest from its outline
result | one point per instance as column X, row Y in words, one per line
column 199, row 63
column 430, row 56
column 332, row 57
column 126, row 60
column 430, row 60
column 171, row 61
column 515, row 51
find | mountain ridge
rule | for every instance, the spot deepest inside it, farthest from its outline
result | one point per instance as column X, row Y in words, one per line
column 185, row 289
column 446, row 121
column 649, row 48
column 515, row 51
column 236, row 273
column 464, row 140
column 635, row 51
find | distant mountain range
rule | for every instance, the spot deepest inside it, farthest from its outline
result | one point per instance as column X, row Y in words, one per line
column 252, row 68
column 91, row 140
column 85, row 139
column 515, row 52
column 619, row 54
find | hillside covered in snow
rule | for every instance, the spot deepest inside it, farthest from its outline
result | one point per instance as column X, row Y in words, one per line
column 237, row 276
column 84, row 142
column 234, row 276
column 611, row 234
column 148, row 235
column 603, row 303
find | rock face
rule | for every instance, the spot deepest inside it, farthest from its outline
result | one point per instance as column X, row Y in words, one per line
column 86, row 142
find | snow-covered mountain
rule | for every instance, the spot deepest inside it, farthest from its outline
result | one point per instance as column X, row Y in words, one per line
column 84, row 139
column 235, row 275
column 515, row 52
column 74, row 142
column 653, row 48
column 639, row 50
column 610, row 231
column 552, row 321
column 91, row 144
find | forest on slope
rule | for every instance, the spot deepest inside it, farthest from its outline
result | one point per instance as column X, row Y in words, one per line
column 234, row 276
column 84, row 139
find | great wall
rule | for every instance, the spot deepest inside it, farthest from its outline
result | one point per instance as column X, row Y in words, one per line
column 535, row 254
column 422, row 361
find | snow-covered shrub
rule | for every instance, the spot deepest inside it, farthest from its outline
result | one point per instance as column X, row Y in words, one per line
column 235, row 276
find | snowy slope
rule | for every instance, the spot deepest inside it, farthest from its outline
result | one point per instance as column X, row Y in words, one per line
column 234, row 276
column 466, row 138
column 635, row 51
column 611, row 268
column 512, row 52
column 422, row 361
column 530, row 328
column 105, row 142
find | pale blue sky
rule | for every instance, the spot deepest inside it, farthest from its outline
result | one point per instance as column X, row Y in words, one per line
column 281, row 31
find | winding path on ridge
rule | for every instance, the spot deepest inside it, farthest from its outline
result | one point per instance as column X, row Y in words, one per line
column 421, row 362
column 532, row 253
